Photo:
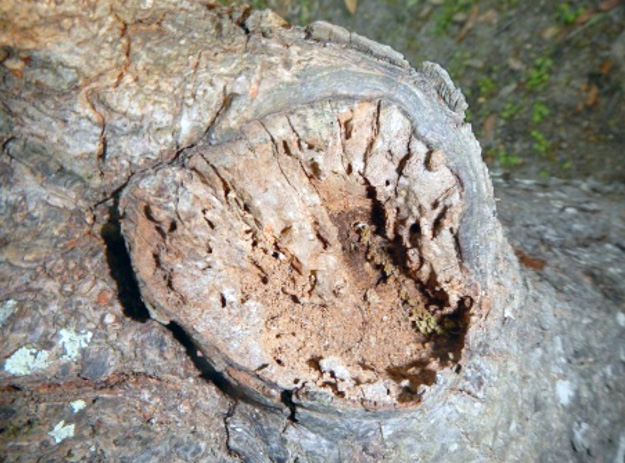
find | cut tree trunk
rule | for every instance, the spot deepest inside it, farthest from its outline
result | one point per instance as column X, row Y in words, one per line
column 305, row 213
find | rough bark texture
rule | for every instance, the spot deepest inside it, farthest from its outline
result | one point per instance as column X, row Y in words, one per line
column 311, row 220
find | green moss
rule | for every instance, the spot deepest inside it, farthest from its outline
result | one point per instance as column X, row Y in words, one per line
column 539, row 111
column 567, row 14
column 427, row 323
column 486, row 86
column 538, row 75
column 510, row 109
column 541, row 144
column 445, row 13
column 304, row 12
column 505, row 159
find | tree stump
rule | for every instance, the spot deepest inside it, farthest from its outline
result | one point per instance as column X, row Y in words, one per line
column 306, row 213
column 325, row 245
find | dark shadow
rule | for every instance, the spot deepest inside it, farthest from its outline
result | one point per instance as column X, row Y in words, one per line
column 417, row 374
column 452, row 342
column 121, row 267
column 287, row 399
column 378, row 213
column 207, row 371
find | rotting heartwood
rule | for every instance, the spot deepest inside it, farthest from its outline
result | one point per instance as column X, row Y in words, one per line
column 316, row 252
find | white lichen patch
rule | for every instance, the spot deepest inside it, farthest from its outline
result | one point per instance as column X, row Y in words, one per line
column 77, row 405
column 27, row 360
column 61, row 432
column 72, row 341
column 565, row 391
column 620, row 319
column 7, row 308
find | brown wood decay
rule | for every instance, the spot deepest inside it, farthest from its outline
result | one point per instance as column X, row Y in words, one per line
column 338, row 241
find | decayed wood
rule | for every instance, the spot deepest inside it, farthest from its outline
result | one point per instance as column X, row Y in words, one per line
column 318, row 251
column 311, row 219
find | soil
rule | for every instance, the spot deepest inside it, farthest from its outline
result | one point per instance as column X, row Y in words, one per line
column 545, row 81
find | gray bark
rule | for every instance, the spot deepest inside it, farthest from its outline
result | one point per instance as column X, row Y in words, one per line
column 310, row 221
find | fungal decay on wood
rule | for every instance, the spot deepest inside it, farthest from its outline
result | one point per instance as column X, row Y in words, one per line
column 317, row 251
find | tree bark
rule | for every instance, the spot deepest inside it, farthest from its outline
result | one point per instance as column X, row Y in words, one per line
column 303, row 212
